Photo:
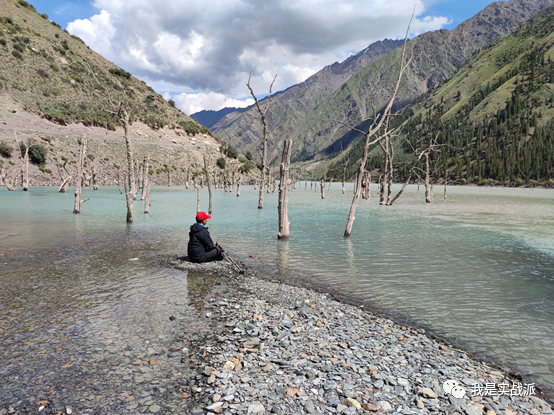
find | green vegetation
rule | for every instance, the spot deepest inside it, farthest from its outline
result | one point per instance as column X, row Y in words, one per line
column 6, row 150
column 48, row 70
column 37, row 153
column 221, row 162
column 120, row 72
column 192, row 127
column 493, row 120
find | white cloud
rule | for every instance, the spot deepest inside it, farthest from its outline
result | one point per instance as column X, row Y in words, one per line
column 97, row 31
column 210, row 46
column 191, row 103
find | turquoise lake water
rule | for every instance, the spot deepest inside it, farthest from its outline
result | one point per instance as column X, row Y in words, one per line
column 478, row 267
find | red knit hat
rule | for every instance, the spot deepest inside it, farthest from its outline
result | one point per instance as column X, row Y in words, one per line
column 202, row 216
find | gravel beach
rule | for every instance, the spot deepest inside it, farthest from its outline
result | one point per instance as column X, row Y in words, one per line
column 279, row 349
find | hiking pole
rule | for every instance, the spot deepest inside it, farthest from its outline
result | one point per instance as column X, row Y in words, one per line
column 232, row 261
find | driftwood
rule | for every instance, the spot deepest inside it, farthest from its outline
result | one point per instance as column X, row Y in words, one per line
column 283, row 197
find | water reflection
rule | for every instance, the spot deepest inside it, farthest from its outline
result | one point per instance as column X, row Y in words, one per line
column 282, row 258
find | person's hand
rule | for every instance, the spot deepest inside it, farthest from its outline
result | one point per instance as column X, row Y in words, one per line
column 216, row 243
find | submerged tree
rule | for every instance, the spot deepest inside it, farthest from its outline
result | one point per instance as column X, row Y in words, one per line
column 283, row 188
column 209, row 185
column 264, row 134
column 374, row 128
column 23, row 149
column 79, row 179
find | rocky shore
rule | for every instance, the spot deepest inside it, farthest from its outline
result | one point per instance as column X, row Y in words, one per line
column 279, row 349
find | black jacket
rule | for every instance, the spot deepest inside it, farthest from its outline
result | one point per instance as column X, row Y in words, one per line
column 199, row 243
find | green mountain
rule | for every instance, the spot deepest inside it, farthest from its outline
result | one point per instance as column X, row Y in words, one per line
column 56, row 75
column 435, row 57
column 493, row 119
column 495, row 115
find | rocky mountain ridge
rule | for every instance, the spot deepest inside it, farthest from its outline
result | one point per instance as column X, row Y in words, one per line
column 435, row 57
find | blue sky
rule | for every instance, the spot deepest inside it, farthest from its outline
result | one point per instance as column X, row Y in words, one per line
column 199, row 52
column 64, row 12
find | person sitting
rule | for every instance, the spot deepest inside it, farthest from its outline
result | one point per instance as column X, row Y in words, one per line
column 201, row 247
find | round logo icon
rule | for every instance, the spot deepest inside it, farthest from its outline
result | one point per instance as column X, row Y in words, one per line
column 458, row 392
column 448, row 385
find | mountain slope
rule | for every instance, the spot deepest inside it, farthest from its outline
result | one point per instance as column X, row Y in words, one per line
column 295, row 101
column 435, row 57
column 209, row 117
column 493, row 118
column 56, row 75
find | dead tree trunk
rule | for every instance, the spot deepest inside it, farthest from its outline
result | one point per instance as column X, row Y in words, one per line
column 4, row 176
column 79, row 180
column 378, row 121
column 146, row 196
column 427, row 180
column 119, row 182
column 67, row 180
column 209, row 184
column 283, row 197
column 94, row 177
column 382, row 189
column 322, row 185
column 24, row 161
column 144, row 178
column 136, row 175
column 64, row 185
column 366, row 183
column 197, row 186
column 391, row 201
column 130, row 188
column 445, row 184
column 264, row 134
column 238, row 187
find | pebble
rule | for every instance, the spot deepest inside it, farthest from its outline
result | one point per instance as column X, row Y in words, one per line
column 270, row 352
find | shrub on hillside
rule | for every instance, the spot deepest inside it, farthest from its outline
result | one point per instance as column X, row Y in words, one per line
column 232, row 152
column 248, row 155
column 220, row 162
column 120, row 72
column 5, row 150
column 27, row 5
column 43, row 73
column 37, row 153
column 192, row 128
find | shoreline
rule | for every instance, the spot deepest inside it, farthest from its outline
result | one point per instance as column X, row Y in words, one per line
column 283, row 349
